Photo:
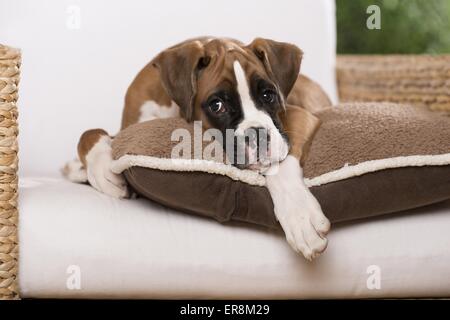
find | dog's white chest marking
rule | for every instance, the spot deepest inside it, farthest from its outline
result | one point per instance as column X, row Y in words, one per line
column 151, row 110
column 297, row 209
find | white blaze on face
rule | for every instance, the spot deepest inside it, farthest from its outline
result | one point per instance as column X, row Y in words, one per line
column 254, row 118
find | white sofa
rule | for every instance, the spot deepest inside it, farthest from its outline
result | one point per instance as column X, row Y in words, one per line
column 75, row 242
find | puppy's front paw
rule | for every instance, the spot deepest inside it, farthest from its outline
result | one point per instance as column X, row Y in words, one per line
column 99, row 174
column 297, row 209
column 304, row 224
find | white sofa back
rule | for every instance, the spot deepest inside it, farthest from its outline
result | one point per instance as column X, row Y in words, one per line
column 79, row 56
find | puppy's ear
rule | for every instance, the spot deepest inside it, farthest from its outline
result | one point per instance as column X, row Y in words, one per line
column 179, row 67
column 281, row 60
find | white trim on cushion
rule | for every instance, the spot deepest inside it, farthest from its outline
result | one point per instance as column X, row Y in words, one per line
column 254, row 178
column 376, row 165
column 247, row 176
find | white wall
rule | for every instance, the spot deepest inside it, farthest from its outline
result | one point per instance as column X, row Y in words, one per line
column 75, row 79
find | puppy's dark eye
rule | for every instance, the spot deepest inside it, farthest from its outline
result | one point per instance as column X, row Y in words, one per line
column 268, row 96
column 216, row 106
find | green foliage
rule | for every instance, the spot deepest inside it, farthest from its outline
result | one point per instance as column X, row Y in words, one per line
column 407, row 26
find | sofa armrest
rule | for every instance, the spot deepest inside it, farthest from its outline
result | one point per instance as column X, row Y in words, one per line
column 416, row 79
column 9, row 79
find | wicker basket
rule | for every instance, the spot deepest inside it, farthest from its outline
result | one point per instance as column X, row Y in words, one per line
column 9, row 80
column 414, row 79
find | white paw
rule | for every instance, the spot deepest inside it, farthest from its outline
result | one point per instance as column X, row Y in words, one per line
column 304, row 224
column 297, row 210
column 99, row 173
column 75, row 172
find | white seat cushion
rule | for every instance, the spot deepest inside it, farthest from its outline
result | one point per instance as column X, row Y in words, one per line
column 138, row 249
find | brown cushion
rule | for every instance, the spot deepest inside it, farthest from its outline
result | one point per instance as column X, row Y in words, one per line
column 365, row 160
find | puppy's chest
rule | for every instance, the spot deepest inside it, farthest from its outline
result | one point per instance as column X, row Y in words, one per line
column 151, row 110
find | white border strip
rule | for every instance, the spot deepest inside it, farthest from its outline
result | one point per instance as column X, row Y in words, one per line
column 254, row 178
column 377, row 165
column 167, row 164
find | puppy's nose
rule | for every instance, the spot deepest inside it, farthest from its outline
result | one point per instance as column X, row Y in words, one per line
column 257, row 138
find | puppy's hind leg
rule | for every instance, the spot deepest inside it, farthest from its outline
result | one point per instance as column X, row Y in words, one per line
column 75, row 171
column 95, row 154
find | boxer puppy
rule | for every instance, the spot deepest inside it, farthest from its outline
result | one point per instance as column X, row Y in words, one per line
column 229, row 85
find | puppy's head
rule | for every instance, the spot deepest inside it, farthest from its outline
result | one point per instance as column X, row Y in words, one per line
column 235, row 88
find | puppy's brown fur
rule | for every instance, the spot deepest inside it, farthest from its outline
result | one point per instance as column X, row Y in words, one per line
column 172, row 76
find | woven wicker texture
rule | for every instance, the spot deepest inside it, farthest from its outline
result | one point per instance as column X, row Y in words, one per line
column 415, row 79
column 9, row 79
